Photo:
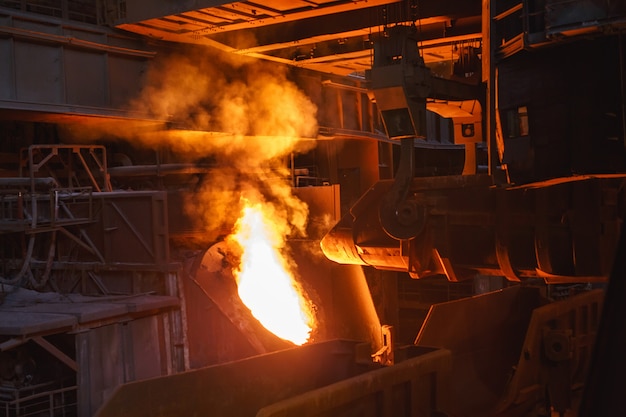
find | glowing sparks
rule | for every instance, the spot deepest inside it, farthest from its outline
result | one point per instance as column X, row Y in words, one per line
column 265, row 284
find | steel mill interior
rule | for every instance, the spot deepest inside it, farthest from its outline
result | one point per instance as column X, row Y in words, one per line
column 312, row 208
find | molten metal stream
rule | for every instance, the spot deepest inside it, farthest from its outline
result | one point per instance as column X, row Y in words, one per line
column 265, row 284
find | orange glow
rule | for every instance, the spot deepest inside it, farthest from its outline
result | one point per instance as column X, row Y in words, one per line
column 265, row 284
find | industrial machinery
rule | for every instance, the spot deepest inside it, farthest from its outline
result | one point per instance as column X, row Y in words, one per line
column 440, row 185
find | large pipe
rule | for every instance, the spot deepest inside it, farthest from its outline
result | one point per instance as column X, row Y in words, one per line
column 551, row 230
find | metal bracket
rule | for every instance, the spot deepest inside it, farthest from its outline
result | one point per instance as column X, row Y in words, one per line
column 400, row 218
column 384, row 355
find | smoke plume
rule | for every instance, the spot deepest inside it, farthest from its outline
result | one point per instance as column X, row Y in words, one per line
column 242, row 114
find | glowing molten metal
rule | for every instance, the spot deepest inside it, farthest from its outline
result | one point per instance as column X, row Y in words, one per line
column 265, row 284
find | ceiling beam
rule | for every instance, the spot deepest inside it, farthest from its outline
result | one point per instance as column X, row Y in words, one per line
column 337, row 23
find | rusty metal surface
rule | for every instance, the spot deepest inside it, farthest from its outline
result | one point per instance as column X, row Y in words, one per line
column 560, row 231
column 413, row 387
column 314, row 380
column 484, row 334
column 512, row 350
column 319, row 35
column 237, row 388
column 555, row 355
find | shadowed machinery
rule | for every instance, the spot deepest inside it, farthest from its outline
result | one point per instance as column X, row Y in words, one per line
column 312, row 208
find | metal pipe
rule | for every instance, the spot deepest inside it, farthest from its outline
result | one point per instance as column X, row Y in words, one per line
column 72, row 41
column 162, row 169
column 329, row 83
